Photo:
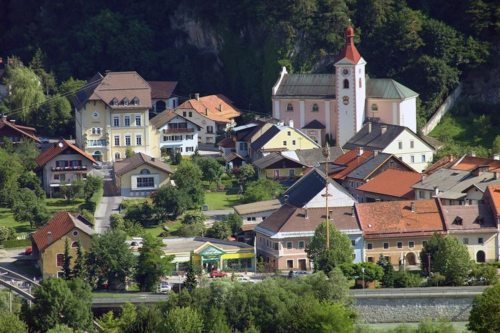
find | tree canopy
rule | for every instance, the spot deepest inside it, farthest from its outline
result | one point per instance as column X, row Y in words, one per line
column 485, row 313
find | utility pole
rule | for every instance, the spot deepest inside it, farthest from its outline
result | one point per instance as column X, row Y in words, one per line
column 326, row 154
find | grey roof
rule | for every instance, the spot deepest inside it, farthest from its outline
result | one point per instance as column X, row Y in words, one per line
column 264, row 138
column 178, row 245
column 369, row 166
column 273, row 158
column 312, row 157
column 307, row 187
column 314, row 124
column 166, row 116
column 307, row 85
column 375, row 139
column 472, row 218
column 257, row 207
column 388, row 89
column 81, row 96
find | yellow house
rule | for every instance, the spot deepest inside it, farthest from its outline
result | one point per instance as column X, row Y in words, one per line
column 140, row 175
column 280, row 138
column 112, row 115
column 210, row 253
column 49, row 242
column 279, row 167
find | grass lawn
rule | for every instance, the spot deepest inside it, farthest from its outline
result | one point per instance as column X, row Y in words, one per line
column 157, row 230
column 7, row 220
column 58, row 204
column 221, row 200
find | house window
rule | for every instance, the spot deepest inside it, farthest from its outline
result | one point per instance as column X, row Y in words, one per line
column 96, row 130
column 60, row 259
column 74, row 244
column 117, row 156
column 411, row 244
column 353, row 242
column 293, row 142
column 184, row 113
column 466, row 241
column 189, row 137
column 116, row 121
column 412, row 158
column 288, row 245
column 127, row 121
column 400, row 245
column 289, row 107
column 210, row 129
column 291, row 173
column 138, row 120
column 190, row 114
column 143, row 182
column 374, row 107
column 289, row 133
column 189, row 149
column 480, row 240
column 301, row 245
column 370, row 259
column 117, row 140
column 138, row 140
column 369, row 246
column 125, row 101
column 289, row 263
column 412, row 144
column 315, row 108
column 424, row 243
column 145, row 172
column 284, row 143
column 276, row 246
column 423, row 158
column 114, row 101
column 346, row 84
column 135, row 101
column 400, row 145
column 386, row 246
column 127, row 140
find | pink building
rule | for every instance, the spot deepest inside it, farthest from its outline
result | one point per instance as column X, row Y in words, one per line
column 338, row 104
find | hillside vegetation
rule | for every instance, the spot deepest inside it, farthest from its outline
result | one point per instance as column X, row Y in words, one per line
column 237, row 47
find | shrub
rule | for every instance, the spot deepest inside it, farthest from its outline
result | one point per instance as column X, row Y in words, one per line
column 7, row 233
column 87, row 215
column 483, row 275
column 405, row 279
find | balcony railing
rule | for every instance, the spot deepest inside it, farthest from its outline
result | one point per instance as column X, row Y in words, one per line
column 70, row 168
column 178, row 130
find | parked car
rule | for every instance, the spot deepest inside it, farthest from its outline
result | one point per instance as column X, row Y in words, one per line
column 293, row 274
column 163, row 287
column 244, row 279
column 28, row 250
column 216, row 273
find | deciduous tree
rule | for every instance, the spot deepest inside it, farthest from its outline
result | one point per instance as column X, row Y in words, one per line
column 485, row 314
column 152, row 263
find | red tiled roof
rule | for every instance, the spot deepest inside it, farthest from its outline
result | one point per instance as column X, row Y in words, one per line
column 392, row 182
column 460, row 218
column 57, row 149
column 25, row 131
column 349, row 51
column 215, row 107
column 131, row 163
column 351, row 160
column 469, row 163
column 58, row 226
column 396, row 218
column 162, row 89
column 444, row 162
column 226, row 143
column 493, row 192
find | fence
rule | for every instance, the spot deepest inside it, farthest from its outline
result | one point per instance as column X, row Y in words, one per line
column 442, row 110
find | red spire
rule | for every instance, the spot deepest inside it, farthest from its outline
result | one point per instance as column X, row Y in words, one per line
column 349, row 50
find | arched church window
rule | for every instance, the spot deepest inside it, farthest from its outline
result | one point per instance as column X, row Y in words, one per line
column 289, row 107
column 315, row 108
column 346, row 84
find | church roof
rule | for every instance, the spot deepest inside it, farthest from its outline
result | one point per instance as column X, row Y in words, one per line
column 307, row 85
column 388, row 89
column 349, row 51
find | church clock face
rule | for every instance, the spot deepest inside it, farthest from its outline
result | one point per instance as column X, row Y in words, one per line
column 345, row 72
column 345, row 100
column 95, row 115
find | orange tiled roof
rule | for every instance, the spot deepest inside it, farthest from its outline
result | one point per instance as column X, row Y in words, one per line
column 349, row 51
column 28, row 132
column 392, row 182
column 396, row 218
column 493, row 192
column 58, row 148
column 444, row 162
column 215, row 107
column 351, row 160
column 469, row 163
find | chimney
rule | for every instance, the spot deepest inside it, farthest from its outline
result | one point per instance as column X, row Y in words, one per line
column 423, row 177
column 473, row 154
column 497, row 175
column 480, row 170
column 436, row 191
column 383, row 129
column 290, row 123
column 369, row 127
column 306, row 215
column 153, row 159
column 12, row 120
column 412, row 204
column 360, row 151
column 49, row 237
column 496, row 157
column 285, row 198
column 206, row 111
column 375, row 152
column 197, row 96
column 220, row 107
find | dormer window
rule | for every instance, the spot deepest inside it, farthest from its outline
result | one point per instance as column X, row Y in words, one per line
column 289, row 107
column 458, row 220
column 346, row 84
column 114, row 101
column 125, row 101
column 315, row 108
column 135, row 101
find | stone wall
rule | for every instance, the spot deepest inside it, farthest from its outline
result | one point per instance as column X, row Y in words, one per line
column 442, row 110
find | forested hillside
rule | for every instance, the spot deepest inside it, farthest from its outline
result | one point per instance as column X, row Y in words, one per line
column 237, row 47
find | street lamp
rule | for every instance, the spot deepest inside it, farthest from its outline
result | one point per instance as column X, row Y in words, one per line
column 429, row 264
column 363, row 275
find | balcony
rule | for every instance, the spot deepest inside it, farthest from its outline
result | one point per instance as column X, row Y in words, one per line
column 70, row 168
column 178, row 130
column 96, row 143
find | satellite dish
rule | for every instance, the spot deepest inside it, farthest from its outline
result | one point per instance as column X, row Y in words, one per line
column 60, row 144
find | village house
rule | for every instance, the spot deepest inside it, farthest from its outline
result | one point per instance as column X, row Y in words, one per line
column 49, row 242
column 214, row 113
column 398, row 230
column 61, row 165
column 389, row 185
column 252, row 214
column 162, row 95
column 279, row 167
column 112, row 115
column 177, row 134
column 492, row 197
column 15, row 133
column 400, row 141
column 140, row 175
column 342, row 101
column 281, row 239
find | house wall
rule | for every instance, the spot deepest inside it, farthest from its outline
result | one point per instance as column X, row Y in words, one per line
column 393, row 252
column 294, row 140
column 128, row 181
column 105, row 142
column 471, row 241
column 372, row 197
column 387, row 110
column 408, row 113
column 283, row 173
column 188, row 142
column 48, row 258
column 257, row 217
column 336, row 198
column 48, row 176
column 417, row 157
column 204, row 136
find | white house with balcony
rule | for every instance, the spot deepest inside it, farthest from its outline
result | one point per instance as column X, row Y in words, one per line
column 176, row 133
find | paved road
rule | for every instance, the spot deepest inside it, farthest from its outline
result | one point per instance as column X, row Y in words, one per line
column 106, row 207
column 216, row 215
column 417, row 292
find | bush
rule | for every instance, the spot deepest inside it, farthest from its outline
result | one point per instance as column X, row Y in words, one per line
column 194, row 217
column 16, row 243
column 436, row 280
column 7, row 233
column 87, row 215
column 485, row 313
column 117, row 222
column 483, row 275
column 405, row 279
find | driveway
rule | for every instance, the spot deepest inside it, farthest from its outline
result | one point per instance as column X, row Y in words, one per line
column 106, row 207
column 216, row 215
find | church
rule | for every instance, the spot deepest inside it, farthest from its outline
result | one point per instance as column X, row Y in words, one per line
column 336, row 105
